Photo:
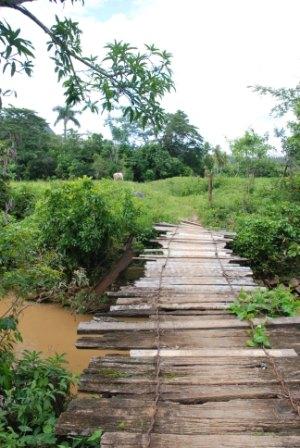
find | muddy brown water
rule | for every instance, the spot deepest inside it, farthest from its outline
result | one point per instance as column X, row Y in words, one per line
column 50, row 329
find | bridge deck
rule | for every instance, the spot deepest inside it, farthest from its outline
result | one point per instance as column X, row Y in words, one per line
column 188, row 380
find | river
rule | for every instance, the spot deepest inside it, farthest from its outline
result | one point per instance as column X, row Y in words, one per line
column 51, row 328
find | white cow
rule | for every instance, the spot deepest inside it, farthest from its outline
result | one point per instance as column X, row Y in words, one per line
column 118, row 176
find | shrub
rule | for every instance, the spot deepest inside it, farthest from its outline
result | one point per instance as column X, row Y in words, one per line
column 25, row 267
column 86, row 222
column 4, row 191
column 271, row 240
column 32, row 399
column 23, row 200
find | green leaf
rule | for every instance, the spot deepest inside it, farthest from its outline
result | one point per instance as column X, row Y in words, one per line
column 8, row 323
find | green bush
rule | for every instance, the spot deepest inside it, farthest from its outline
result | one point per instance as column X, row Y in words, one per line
column 270, row 240
column 26, row 267
column 35, row 394
column 85, row 222
column 23, row 200
column 4, row 191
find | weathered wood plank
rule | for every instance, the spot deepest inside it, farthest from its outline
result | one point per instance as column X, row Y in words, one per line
column 188, row 394
column 234, row 416
column 216, row 352
column 199, row 280
column 126, row 439
column 224, row 338
column 191, row 257
column 281, row 337
column 197, row 299
column 101, row 325
column 202, row 379
column 167, row 362
column 176, row 307
column 205, row 290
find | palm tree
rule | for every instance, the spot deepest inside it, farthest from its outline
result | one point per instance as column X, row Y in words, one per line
column 220, row 158
column 66, row 114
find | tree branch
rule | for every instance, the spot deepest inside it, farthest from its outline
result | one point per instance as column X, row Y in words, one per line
column 55, row 39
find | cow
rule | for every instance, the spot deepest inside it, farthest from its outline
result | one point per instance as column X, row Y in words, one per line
column 118, row 176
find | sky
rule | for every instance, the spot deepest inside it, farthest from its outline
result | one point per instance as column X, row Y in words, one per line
column 219, row 47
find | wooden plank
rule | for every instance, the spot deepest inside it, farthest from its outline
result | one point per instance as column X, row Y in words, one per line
column 222, row 338
column 188, row 394
column 174, row 307
column 208, row 379
column 285, row 353
column 195, row 280
column 234, row 416
column 147, row 310
column 168, row 298
column 138, row 440
column 201, row 250
column 98, row 327
column 215, row 304
column 207, row 256
column 186, row 339
column 101, row 325
column 207, row 315
column 193, row 243
column 206, row 290
column 188, row 269
column 121, row 264
column 182, row 362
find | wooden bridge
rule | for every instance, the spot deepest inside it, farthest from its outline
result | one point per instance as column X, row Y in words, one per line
column 187, row 379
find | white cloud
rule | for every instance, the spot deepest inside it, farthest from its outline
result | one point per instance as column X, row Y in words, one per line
column 219, row 47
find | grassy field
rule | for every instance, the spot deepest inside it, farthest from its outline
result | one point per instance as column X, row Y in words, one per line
column 184, row 197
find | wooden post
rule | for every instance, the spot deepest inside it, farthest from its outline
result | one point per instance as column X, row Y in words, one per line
column 210, row 187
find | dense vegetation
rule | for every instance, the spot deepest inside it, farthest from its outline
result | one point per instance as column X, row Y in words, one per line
column 34, row 151
column 65, row 234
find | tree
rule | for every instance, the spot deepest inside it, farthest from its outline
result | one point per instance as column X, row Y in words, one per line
column 129, row 134
column 137, row 80
column 209, row 164
column 151, row 162
column 291, row 144
column 288, row 100
column 220, row 158
column 30, row 141
column 66, row 114
column 250, row 151
column 181, row 139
